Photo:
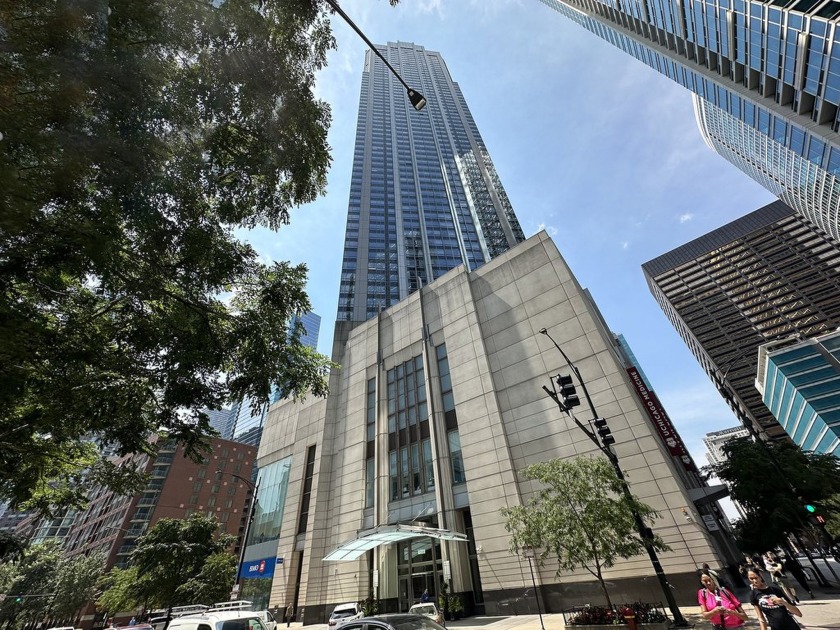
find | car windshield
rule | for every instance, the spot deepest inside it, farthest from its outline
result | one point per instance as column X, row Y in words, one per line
column 341, row 614
column 243, row 624
column 424, row 609
column 417, row 623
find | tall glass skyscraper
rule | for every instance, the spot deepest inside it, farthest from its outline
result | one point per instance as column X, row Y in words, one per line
column 766, row 76
column 424, row 195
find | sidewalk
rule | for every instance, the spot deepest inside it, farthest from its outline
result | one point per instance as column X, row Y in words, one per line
column 822, row 613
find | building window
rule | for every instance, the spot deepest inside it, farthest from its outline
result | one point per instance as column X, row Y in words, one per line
column 456, row 457
column 407, row 427
column 370, row 477
column 428, row 465
column 194, row 499
column 214, row 488
column 197, row 486
column 211, row 502
column 202, row 473
column 271, row 502
column 303, row 519
column 371, row 409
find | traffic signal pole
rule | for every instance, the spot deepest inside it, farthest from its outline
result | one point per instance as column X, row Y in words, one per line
column 565, row 400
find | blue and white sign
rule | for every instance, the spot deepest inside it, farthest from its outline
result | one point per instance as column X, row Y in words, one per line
column 263, row 568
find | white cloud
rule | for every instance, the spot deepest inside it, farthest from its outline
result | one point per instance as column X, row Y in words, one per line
column 552, row 231
column 625, row 244
column 685, row 218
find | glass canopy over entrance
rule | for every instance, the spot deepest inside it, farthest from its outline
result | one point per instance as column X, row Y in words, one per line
column 368, row 539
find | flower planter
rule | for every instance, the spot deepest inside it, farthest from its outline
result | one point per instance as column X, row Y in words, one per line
column 664, row 625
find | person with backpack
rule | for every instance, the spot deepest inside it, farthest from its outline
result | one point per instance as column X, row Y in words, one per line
column 719, row 606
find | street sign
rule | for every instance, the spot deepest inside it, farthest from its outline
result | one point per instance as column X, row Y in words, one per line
column 711, row 523
column 447, row 570
column 234, row 592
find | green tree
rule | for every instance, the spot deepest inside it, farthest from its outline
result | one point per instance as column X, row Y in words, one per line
column 121, row 590
column 137, row 137
column 580, row 515
column 31, row 584
column 75, row 585
column 772, row 484
column 213, row 582
column 170, row 554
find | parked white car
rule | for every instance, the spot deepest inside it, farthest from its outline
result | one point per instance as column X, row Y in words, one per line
column 427, row 609
column 343, row 613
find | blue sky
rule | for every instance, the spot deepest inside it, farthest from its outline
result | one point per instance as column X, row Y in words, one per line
column 590, row 144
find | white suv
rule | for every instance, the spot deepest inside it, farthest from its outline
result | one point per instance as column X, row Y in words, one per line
column 232, row 620
column 343, row 613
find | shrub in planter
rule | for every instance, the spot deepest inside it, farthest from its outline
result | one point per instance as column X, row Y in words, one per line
column 596, row 616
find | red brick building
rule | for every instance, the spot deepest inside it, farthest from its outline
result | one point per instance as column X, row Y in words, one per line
column 219, row 486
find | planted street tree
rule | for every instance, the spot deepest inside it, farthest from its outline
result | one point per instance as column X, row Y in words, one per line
column 174, row 551
column 75, row 586
column 30, row 585
column 580, row 516
column 137, row 136
column 212, row 583
column 774, row 495
column 121, row 590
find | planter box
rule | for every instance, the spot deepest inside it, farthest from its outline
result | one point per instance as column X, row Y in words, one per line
column 664, row 625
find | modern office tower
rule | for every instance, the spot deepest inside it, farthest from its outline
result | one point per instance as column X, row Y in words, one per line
column 799, row 381
column 424, row 195
column 767, row 77
column 311, row 329
column 803, row 185
column 222, row 421
column 393, row 484
column 715, row 440
column 768, row 275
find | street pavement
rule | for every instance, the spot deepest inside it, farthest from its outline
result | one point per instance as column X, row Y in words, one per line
column 822, row 613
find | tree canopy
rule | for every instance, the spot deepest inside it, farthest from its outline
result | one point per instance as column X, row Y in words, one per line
column 41, row 584
column 178, row 559
column 773, row 495
column 580, row 515
column 137, row 137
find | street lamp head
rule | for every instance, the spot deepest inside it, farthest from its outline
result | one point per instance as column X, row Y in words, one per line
column 417, row 99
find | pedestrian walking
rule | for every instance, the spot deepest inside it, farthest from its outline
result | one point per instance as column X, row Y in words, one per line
column 772, row 607
column 777, row 575
column 793, row 567
column 290, row 614
column 719, row 606
column 133, row 622
column 424, row 598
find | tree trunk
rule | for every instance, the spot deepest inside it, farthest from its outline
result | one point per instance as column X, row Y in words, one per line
column 604, row 588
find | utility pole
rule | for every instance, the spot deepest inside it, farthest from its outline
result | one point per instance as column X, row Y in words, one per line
column 566, row 398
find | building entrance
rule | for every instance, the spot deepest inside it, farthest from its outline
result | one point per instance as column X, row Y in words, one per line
column 419, row 569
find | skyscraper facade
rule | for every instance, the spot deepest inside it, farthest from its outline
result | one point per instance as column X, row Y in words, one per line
column 424, row 196
column 768, row 275
column 767, row 79
column 799, row 381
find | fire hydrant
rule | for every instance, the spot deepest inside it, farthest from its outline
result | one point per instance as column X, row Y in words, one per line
column 629, row 617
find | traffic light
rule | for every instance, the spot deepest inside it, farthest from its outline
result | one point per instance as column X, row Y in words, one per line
column 810, row 508
column 18, row 600
column 568, row 397
column 604, row 431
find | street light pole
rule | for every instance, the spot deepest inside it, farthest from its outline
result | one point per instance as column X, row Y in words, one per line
column 645, row 532
column 417, row 99
column 528, row 552
column 250, row 516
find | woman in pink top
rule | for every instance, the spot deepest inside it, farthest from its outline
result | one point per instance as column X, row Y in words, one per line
column 718, row 606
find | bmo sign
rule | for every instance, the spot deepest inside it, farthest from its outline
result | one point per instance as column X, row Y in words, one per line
column 263, row 568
